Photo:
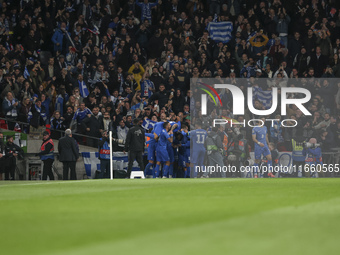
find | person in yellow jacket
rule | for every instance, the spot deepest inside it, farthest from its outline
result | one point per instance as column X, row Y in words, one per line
column 258, row 41
column 137, row 70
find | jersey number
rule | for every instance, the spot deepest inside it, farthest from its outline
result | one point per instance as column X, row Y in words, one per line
column 199, row 140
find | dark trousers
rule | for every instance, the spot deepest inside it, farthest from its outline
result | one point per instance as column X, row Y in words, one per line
column 138, row 156
column 297, row 164
column 48, row 169
column 10, row 168
column 104, row 168
column 69, row 165
column 11, row 123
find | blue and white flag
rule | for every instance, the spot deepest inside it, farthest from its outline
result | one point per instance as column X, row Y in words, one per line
column 264, row 96
column 92, row 162
column 26, row 73
column 148, row 124
column 220, row 31
column 84, row 92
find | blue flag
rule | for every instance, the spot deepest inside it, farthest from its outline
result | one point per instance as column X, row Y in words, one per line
column 220, row 31
column 148, row 124
column 264, row 96
column 84, row 92
column 92, row 162
column 26, row 73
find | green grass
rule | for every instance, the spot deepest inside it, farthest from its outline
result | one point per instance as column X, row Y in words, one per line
column 171, row 216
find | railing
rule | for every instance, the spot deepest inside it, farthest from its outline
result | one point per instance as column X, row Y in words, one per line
column 24, row 127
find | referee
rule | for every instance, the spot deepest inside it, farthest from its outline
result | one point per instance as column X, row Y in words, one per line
column 134, row 145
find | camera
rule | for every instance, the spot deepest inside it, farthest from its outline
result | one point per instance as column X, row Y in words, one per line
column 307, row 145
column 249, row 162
column 119, row 141
column 237, row 131
column 232, row 158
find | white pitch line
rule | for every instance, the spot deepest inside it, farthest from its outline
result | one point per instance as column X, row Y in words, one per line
column 47, row 182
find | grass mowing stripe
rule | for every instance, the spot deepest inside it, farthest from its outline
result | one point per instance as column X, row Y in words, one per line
column 67, row 222
column 260, row 235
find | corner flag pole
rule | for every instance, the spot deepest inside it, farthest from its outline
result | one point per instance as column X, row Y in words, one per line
column 111, row 163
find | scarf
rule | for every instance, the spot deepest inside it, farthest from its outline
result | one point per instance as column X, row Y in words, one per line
column 13, row 112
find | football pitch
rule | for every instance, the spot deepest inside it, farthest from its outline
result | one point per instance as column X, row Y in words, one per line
column 171, row 216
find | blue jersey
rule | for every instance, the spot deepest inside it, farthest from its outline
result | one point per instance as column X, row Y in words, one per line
column 163, row 139
column 182, row 148
column 80, row 115
column 197, row 138
column 178, row 125
column 261, row 134
column 158, row 127
column 152, row 138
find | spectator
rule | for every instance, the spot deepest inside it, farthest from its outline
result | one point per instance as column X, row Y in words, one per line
column 146, row 9
column 37, row 115
column 282, row 22
column 57, row 125
column 79, row 116
column 318, row 62
column 137, row 70
column 122, row 131
column 10, row 107
column 91, row 125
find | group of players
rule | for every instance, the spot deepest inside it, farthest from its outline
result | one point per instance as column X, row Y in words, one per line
column 170, row 143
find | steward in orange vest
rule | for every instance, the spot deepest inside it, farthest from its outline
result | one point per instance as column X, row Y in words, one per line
column 47, row 156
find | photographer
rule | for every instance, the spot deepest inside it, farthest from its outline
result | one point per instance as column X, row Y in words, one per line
column 214, row 146
column 313, row 154
column 104, row 156
column 238, row 151
column 12, row 151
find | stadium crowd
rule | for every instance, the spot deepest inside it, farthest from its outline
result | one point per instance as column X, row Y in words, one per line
column 96, row 65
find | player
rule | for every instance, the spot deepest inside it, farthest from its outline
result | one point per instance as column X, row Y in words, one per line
column 260, row 138
column 175, row 126
column 162, row 154
column 184, row 151
column 151, row 152
column 313, row 157
column 197, row 138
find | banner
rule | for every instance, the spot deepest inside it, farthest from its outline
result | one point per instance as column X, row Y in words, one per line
column 220, row 31
column 92, row 162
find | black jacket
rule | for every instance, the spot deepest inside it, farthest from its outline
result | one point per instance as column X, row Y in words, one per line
column 11, row 148
column 94, row 124
column 162, row 98
column 2, row 151
column 37, row 120
column 68, row 150
column 135, row 139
